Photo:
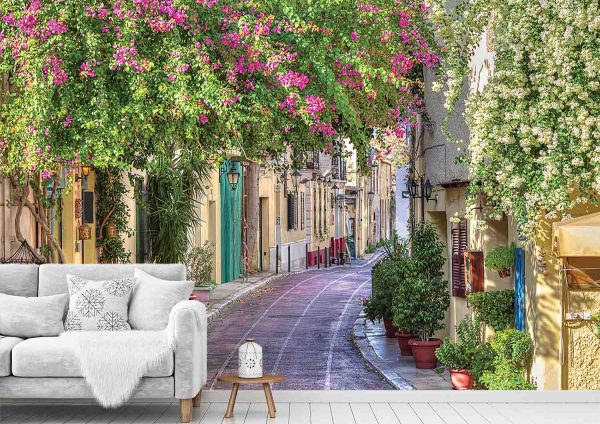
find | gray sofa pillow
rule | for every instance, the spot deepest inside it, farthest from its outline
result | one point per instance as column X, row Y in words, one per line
column 153, row 300
column 32, row 316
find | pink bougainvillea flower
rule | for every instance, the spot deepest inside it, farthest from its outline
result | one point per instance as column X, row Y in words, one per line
column 315, row 105
column 67, row 121
column 293, row 79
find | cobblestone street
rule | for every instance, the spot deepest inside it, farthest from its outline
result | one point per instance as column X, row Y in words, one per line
column 304, row 324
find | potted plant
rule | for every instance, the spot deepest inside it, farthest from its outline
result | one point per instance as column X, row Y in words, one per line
column 421, row 301
column 501, row 259
column 199, row 269
column 466, row 357
column 384, row 282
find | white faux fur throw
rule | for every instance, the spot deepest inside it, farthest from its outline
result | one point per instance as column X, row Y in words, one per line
column 113, row 362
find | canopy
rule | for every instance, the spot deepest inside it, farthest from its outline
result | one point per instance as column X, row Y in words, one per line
column 577, row 237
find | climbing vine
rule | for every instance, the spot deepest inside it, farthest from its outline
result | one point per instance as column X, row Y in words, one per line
column 111, row 211
column 535, row 126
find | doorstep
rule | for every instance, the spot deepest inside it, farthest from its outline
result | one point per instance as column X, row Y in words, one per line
column 384, row 355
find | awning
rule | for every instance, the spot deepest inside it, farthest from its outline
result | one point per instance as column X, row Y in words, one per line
column 577, row 237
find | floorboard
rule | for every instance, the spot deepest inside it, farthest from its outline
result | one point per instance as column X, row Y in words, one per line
column 469, row 414
column 426, row 413
column 447, row 413
column 324, row 409
column 405, row 414
column 257, row 413
column 342, row 413
column 363, row 413
column 299, row 413
column 320, row 413
column 384, row 413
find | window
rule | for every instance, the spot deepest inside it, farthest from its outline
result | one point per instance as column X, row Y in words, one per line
column 459, row 245
column 292, row 204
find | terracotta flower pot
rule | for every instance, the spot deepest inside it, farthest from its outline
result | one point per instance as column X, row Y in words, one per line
column 504, row 273
column 461, row 379
column 404, row 337
column 424, row 352
column 390, row 328
column 201, row 295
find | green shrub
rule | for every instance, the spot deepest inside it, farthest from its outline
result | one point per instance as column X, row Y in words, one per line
column 468, row 351
column 422, row 297
column 370, row 248
column 500, row 258
column 514, row 351
column 494, row 308
column 385, row 280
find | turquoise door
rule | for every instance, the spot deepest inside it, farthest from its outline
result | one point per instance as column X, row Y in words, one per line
column 231, row 226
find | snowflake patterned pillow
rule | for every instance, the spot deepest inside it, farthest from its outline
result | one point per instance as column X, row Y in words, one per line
column 98, row 305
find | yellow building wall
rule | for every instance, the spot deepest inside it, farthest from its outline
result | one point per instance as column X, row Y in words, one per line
column 77, row 251
column 209, row 205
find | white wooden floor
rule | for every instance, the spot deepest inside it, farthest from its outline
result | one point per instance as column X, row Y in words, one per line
column 331, row 409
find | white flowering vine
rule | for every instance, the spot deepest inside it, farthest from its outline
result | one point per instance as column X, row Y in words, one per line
column 535, row 127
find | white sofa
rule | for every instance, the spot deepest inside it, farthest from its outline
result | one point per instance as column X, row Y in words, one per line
column 43, row 367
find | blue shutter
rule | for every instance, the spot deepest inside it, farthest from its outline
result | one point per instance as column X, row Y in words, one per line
column 519, row 289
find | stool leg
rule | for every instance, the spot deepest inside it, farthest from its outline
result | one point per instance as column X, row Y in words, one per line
column 271, row 396
column 270, row 403
column 232, row 397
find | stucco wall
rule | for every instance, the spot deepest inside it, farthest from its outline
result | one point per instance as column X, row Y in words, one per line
column 583, row 369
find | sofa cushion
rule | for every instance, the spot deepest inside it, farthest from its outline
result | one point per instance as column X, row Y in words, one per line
column 53, row 277
column 52, row 357
column 19, row 279
column 32, row 316
column 6, row 346
column 98, row 305
column 153, row 299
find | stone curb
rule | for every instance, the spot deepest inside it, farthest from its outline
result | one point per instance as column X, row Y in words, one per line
column 216, row 309
column 400, row 372
column 361, row 341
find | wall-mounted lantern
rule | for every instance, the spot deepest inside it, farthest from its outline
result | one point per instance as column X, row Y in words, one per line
column 296, row 180
column 421, row 190
column 84, row 172
column 233, row 175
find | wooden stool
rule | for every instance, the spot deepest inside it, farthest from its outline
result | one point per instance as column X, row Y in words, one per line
column 266, row 380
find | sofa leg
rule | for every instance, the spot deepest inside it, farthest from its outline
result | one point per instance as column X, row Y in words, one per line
column 197, row 399
column 186, row 410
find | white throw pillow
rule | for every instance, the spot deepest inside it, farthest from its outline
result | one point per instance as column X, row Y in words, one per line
column 32, row 316
column 153, row 300
column 98, row 305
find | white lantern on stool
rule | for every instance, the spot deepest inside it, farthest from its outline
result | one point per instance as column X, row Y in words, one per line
column 250, row 360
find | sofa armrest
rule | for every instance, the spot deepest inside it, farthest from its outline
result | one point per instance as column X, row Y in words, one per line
column 188, row 326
